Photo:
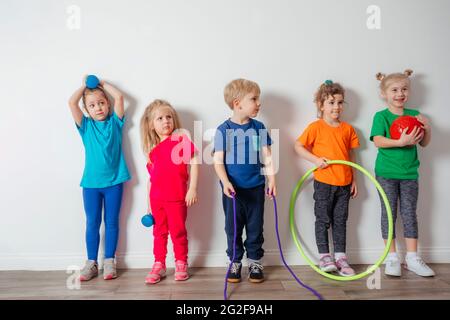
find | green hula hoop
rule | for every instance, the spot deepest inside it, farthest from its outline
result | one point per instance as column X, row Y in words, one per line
column 294, row 231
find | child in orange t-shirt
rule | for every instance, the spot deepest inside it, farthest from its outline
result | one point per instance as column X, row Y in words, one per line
column 330, row 139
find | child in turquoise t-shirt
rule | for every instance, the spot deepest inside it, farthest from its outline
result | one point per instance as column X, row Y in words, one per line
column 397, row 167
column 104, row 173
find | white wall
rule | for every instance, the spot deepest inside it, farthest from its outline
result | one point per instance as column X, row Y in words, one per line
column 186, row 51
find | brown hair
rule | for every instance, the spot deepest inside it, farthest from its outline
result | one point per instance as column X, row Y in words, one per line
column 149, row 137
column 237, row 89
column 326, row 89
column 387, row 80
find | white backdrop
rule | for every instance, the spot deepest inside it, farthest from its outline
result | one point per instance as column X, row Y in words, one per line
column 185, row 52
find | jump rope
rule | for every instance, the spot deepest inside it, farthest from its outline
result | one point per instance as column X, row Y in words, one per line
column 225, row 296
column 297, row 242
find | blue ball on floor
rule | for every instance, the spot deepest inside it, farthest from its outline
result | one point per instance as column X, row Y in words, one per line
column 92, row 81
column 148, row 220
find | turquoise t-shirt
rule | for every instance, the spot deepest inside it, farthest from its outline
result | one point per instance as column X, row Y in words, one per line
column 394, row 163
column 104, row 161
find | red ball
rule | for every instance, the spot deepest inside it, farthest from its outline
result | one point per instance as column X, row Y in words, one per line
column 402, row 123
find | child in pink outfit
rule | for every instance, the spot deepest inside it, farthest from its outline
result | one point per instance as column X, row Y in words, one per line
column 170, row 189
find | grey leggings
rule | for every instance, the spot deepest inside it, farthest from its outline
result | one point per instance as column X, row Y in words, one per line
column 407, row 192
column 331, row 210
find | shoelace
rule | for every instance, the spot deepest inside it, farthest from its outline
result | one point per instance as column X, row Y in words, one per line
column 87, row 268
column 391, row 262
column 342, row 262
column 181, row 267
column 421, row 262
column 257, row 268
column 326, row 259
column 156, row 268
column 234, row 268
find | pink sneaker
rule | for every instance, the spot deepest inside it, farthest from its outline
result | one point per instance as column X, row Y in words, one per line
column 344, row 268
column 327, row 264
column 181, row 271
column 156, row 274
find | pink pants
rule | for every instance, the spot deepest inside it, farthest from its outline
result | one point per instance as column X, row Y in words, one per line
column 170, row 217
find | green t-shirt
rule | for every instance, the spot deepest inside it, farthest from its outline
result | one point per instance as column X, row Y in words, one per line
column 394, row 163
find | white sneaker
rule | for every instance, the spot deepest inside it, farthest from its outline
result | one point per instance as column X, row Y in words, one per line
column 392, row 268
column 419, row 267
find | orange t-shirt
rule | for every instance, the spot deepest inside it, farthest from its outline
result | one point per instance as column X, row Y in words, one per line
column 333, row 143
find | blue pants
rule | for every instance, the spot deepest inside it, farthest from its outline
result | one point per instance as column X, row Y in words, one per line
column 94, row 200
column 249, row 214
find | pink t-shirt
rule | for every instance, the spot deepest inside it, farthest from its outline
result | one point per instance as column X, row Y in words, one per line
column 169, row 168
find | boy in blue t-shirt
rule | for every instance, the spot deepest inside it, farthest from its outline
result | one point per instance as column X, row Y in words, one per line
column 239, row 144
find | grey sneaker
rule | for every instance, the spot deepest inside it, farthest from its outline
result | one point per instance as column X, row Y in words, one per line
column 109, row 269
column 89, row 271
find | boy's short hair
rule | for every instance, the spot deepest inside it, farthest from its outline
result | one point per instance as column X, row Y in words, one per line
column 237, row 89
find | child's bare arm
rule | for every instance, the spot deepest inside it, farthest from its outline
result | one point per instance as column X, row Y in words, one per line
column 74, row 106
column 191, row 196
column 306, row 154
column 270, row 171
column 117, row 96
column 149, row 205
column 405, row 139
column 354, row 187
column 219, row 167
column 427, row 133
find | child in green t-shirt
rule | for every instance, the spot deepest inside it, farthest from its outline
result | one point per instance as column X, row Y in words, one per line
column 397, row 167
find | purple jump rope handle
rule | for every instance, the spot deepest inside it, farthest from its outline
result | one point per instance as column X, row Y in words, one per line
column 234, row 247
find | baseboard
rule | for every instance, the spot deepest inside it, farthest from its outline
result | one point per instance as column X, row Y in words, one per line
column 135, row 260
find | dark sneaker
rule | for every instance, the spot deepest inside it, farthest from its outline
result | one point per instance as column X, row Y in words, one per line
column 234, row 276
column 255, row 272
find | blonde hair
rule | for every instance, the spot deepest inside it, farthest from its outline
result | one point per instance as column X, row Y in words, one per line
column 237, row 89
column 149, row 137
column 326, row 89
column 87, row 91
column 393, row 77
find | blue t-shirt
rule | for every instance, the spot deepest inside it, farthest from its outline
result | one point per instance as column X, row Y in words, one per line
column 242, row 146
column 104, row 161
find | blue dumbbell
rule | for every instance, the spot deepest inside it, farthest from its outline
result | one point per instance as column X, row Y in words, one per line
column 92, row 81
column 147, row 220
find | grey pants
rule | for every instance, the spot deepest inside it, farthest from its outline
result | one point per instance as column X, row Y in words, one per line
column 331, row 209
column 406, row 193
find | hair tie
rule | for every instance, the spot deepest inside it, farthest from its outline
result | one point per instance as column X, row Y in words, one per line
column 328, row 82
